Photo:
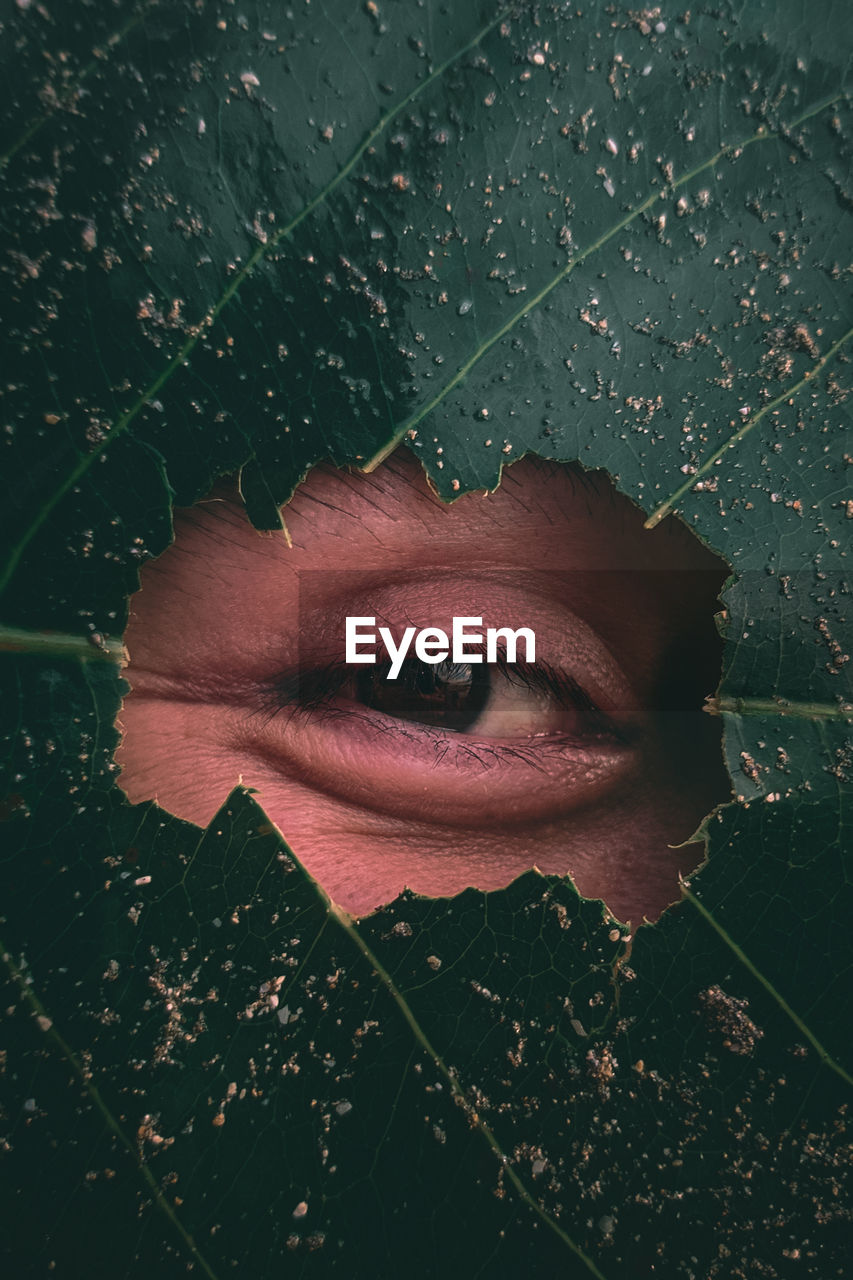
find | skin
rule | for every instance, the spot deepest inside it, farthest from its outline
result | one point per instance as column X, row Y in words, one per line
column 371, row 802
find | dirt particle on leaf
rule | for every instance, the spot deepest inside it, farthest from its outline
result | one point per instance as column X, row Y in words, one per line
column 727, row 1015
column 838, row 658
column 601, row 1067
column 749, row 767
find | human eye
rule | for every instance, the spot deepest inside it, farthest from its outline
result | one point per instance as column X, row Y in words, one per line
column 480, row 743
column 590, row 757
column 514, row 701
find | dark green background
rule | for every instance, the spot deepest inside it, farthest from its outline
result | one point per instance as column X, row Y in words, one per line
column 256, row 235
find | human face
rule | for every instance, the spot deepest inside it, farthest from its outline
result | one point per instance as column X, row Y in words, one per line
column 595, row 763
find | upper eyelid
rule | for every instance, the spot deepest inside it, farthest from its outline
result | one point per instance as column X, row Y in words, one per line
column 330, row 677
column 287, row 689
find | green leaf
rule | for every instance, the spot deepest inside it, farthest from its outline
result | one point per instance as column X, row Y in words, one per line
column 253, row 238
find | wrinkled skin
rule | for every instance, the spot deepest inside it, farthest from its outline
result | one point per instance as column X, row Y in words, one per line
column 600, row 787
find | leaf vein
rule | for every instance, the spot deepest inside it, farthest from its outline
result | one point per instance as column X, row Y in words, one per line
column 89, row 1086
column 728, row 149
column 752, row 421
column 67, row 95
column 121, row 425
column 780, row 707
column 349, row 926
column 823, row 1053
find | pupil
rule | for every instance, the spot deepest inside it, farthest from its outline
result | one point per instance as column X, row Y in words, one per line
column 450, row 695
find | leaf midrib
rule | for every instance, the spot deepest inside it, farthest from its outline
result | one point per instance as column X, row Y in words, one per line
column 779, row 706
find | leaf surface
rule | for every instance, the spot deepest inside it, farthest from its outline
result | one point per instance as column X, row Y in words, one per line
column 255, row 239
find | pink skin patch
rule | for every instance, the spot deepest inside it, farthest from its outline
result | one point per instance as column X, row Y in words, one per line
column 592, row 762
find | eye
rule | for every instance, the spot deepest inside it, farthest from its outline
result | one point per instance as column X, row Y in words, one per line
column 481, row 744
column 595, row 758
column 500, row 700
column 450, row 696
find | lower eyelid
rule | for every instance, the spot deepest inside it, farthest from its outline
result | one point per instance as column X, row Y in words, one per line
column 468, row 740
column 404, row 769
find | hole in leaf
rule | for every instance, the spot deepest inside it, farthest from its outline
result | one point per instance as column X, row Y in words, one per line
column 593, row 759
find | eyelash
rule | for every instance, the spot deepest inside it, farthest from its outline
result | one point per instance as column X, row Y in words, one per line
column 315, row 691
